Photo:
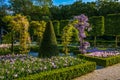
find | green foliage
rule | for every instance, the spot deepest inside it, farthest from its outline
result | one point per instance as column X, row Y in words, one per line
column 64, row 73
column 48, row 45
column 68, row 32
column 67, row 37
column 19, row 26
column 56, row 25
column 112, row 24
column 5, row 51
column 7, row 38
column 102, row 61
column 97, row 23
column 37, row 28
column 34, row 48
column 22, row 23
column 63, row 23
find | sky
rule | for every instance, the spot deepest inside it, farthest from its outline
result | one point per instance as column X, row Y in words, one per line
column 63, row 2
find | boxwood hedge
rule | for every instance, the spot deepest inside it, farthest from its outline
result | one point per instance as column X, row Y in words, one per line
column 101, row 61
column 64, row 73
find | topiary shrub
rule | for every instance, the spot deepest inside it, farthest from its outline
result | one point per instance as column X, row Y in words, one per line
column 48, row 46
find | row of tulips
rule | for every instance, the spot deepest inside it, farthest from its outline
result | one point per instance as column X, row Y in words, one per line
column 14, row 66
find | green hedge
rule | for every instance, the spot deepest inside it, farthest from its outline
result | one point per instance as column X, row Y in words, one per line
column 97, row 23
column 63, row 23
column 112, row 24
column 56, row 25
column 102, row 61
column 67, row 73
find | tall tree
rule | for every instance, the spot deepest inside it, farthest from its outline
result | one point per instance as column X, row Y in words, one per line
column 21, row 6
column 42, row 2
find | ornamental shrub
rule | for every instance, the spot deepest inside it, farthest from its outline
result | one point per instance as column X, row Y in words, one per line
column 48, row 46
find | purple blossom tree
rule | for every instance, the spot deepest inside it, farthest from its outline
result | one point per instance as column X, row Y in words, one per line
column 82, row 25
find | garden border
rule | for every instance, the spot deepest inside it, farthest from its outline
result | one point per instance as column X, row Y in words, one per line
column 101, row 61
column 64, row 73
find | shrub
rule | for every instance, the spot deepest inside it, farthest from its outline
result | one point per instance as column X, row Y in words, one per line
column 102, row 61
column 5, row 51
column 34, row 48
column 64, row 73
column 48, row 45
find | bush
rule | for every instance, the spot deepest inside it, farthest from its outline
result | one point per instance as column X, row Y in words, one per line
column 102, row 61
column 64, row 73
column 48, row 45
column 34, row 48
column 5, row 51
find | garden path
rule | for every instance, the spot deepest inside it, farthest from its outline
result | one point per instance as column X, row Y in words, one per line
column 108, row 73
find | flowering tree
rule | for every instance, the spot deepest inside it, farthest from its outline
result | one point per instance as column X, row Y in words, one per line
column 82, row 25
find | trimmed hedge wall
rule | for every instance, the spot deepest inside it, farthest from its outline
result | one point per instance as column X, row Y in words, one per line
column 67, row 73
column 97, row 23
column 102, row 61
column 56, row 25
column 63, row 23
column 112, row 24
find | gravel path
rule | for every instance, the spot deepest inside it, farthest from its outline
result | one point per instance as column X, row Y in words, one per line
column 108, row 73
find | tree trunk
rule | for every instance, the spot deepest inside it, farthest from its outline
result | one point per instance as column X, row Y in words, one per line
column 12, row 42
column 116, row 41
column 94, row 41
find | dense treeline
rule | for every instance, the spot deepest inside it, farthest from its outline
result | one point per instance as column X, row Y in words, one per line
column 44, row 9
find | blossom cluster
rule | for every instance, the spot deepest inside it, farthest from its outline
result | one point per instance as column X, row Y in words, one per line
column 14, row 66
column 81, row 26
column 103, row 54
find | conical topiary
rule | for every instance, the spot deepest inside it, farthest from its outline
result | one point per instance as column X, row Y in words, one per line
column 48, row 45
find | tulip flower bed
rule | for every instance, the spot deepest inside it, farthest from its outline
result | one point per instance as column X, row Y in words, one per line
column 102, row 58
column 16, row 66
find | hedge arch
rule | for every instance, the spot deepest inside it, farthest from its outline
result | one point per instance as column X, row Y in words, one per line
column 68, row 32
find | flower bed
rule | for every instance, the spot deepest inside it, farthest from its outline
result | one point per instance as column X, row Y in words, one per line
column 15, row 66
column 103, row 54
column 67, row 73
column 106, row 58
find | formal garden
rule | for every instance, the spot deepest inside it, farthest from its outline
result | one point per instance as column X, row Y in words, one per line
column 47, row 49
